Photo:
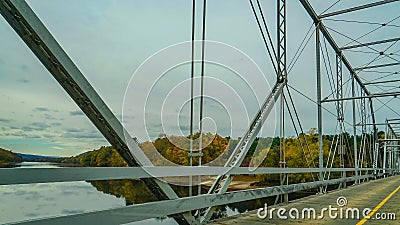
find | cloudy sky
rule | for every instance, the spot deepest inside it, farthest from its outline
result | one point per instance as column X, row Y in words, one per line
column 111, row 41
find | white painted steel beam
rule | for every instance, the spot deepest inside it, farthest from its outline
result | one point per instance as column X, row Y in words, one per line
column 9, row 176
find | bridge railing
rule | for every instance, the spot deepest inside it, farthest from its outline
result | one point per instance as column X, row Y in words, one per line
column 138, row 212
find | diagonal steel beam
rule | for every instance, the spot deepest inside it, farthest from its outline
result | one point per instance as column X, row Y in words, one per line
column 356, row 8
column 391, row 128
column 223, row 181
column 41, row 42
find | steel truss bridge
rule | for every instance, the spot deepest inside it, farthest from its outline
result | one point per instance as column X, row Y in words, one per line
column 376, row 156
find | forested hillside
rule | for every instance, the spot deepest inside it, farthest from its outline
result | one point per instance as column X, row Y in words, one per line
column 265, row 152
column 7, row 156
column 103, row 157
column 299, row 153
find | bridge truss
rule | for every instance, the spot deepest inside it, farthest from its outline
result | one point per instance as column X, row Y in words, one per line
column 376, row 156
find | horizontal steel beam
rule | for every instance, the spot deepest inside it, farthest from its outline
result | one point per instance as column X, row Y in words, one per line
column 370, row 43
column 167, row 207
column 47, row 175
column 389, row 139
column 392, row 119
column 382, row 82
column 356, row 8
column 377, row 95
column 377, row 66
column 377, row 124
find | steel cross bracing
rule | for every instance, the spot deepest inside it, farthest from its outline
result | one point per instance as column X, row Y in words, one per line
column 321, row 27
column 339, row 90
column 281, row 25
column 317, row 19
column 340, row 111
column 223, row 181
column 32, row 31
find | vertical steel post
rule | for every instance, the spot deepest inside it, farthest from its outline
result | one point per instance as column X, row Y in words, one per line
column 192, row 64
column 389, row 153
column 203, row 39
column 397, row 160
column 375, row 133
column 362, row 155
column 340, row 113
column 376, row 154
column 319, row 107
column 354, row 127
column 281, row 145
column 281, row 37
column 385, row 147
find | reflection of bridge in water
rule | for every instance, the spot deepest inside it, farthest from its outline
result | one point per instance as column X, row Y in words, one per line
column 374, row 156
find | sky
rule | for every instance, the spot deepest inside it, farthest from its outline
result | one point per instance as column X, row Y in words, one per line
column 124, row 49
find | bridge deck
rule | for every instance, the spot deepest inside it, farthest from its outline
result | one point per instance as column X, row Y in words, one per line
column 382, row 196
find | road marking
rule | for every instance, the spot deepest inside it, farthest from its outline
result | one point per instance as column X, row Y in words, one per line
column 378, row 206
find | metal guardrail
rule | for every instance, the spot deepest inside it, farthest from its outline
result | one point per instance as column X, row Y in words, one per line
column 165, row 207
column 10, row 176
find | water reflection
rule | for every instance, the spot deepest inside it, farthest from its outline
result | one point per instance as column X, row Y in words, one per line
column 30, row 201
column 136, row 192
column 9, row 165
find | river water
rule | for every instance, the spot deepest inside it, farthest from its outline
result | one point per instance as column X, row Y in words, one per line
column 30, row 201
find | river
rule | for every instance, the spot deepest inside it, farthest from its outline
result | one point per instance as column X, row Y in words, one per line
column 30, row 201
